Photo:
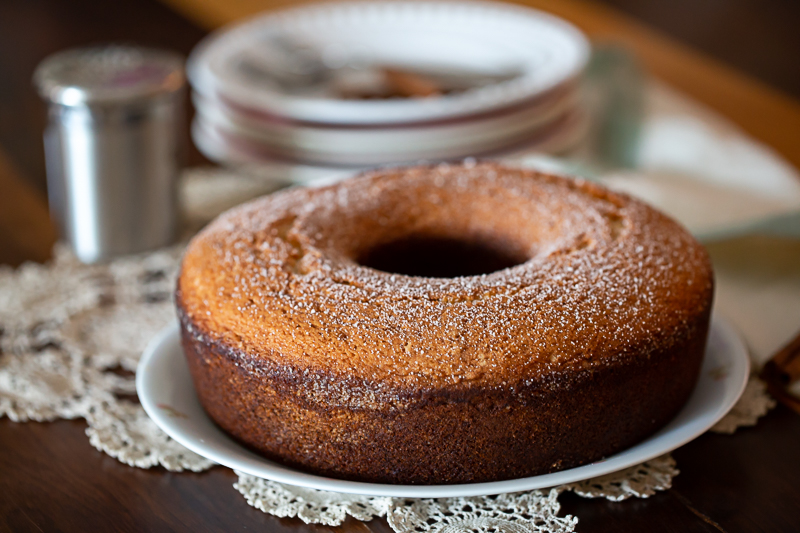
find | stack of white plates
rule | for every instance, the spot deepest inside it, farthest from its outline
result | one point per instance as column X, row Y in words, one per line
column 264, row 93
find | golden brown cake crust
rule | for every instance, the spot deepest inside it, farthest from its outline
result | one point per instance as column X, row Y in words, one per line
column 590, row 344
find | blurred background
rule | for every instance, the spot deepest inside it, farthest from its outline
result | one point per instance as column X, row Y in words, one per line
column 750, row 48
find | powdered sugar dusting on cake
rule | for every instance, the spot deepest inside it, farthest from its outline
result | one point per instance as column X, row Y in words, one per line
column 607, row 278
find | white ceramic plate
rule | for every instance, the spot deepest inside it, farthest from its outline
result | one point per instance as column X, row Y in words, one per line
column 229, row 148
column 167, row 394
column 485, row 37
column 465, row 136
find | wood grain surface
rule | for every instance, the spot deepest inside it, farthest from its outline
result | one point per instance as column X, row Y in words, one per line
column 53, row 480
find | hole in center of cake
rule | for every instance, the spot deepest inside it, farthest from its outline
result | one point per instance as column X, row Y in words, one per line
column 441, row 257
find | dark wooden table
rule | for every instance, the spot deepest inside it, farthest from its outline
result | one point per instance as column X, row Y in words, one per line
column 51, row 479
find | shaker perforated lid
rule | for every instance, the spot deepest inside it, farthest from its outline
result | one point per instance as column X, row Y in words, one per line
column 108, row 74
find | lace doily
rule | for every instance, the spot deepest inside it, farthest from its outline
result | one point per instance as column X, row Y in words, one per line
column 531, row 511
column 754, row 403
column 70, row 339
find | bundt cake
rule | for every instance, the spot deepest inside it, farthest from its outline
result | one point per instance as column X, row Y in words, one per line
column 444, row 324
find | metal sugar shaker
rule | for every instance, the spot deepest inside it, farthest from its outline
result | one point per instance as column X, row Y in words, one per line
column 114, row 146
